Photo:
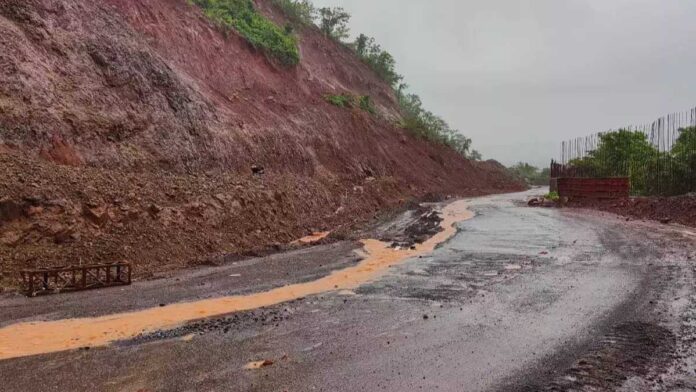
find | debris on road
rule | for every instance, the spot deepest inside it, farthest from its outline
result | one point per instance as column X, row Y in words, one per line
column 258, row 364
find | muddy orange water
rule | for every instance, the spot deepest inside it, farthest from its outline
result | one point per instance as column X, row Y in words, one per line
column 42, row 337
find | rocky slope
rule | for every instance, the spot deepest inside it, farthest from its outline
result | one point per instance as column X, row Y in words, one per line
column 128, row 130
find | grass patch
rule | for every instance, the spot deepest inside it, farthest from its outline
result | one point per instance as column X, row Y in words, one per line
column 240, row 15
column 349, row 101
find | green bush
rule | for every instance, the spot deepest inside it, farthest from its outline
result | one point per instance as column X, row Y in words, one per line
column 299, row 12
column 426, row 125
column 342, row 101
column 261, row 33
column 381, row 61
column 334, row 22
column 365, row 104
column 553, row 196
column 346, row 100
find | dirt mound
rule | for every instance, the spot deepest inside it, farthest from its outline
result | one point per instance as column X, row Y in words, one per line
column 679, row 209
column 129, row 130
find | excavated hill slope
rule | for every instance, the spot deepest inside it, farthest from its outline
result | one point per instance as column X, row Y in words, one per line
column 128, row 130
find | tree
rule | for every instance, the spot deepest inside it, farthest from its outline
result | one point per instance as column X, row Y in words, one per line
column 621, row 152
column 334, row 22
column 624, row 153
column 531, row 174
column 684, row 155
column 361, row 44
column 381, row 61
column 300, row 12
column 476, row 156
column 685, row 146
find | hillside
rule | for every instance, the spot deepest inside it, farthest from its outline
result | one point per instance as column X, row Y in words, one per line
column 129, row 129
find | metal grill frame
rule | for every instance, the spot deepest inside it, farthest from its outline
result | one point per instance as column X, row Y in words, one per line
column 74, row 278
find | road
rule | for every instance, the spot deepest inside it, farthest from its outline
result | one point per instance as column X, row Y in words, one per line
column 519, row 299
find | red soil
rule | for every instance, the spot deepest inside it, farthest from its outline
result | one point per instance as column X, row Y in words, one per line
column 128, row 130
column 679, row 209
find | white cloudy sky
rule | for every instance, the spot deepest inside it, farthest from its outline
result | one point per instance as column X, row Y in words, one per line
column 519, row 76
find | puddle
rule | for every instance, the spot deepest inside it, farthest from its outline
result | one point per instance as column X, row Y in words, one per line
column 310, row 239
column 43, row 337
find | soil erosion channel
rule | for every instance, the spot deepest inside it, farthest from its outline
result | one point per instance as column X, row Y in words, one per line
column 24, row 339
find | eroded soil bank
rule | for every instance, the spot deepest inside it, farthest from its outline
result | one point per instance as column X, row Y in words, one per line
column 162, row 221
column 129, row 131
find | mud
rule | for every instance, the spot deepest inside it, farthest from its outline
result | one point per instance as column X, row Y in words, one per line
column 552, row 299
column 45, row 337
column 631, row 349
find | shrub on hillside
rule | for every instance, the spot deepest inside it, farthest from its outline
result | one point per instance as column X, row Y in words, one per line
column 424, row 124
column 299, row 12
column 381, row 61
column 261, row 33
column 334, row 22
column 351, row 101
column 281, row 44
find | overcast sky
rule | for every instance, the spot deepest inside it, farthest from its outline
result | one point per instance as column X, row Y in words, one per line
column 520, row 76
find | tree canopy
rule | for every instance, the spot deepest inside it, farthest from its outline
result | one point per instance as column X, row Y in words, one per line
column 333, row 21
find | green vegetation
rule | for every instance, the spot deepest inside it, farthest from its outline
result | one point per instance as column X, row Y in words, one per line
column 334, row 22
column 424, row 124
column 381, row 61
column 553, row 196
column 261, row 33
column 531, row 174
column 351, row 101
column 621, row 153
column 365, row 104
column 630, row 154
column 684, row 155
column 299, row 12
column 281, row 44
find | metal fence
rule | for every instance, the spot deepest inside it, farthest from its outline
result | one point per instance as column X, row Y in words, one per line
column 658, row 158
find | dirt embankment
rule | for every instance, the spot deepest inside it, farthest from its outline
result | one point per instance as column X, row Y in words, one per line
column 678, row 209
column 128, row 130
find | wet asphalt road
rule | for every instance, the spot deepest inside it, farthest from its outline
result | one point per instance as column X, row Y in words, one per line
column 519, row 299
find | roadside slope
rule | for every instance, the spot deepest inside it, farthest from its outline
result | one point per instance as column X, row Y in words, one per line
column 128, row 131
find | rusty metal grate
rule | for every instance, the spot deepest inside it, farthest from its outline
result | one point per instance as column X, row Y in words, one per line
column 60, row 279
